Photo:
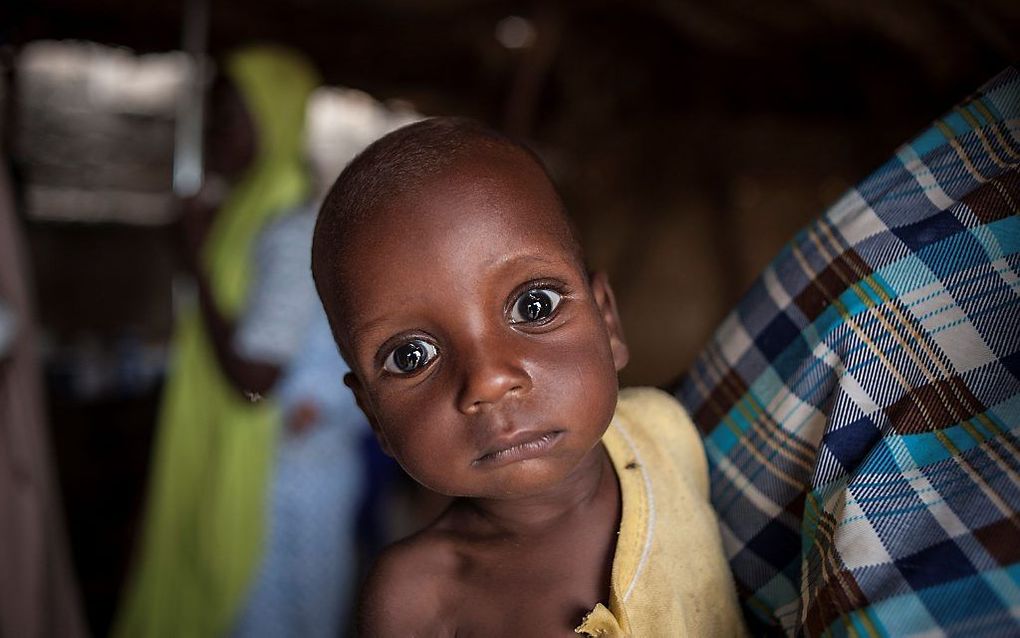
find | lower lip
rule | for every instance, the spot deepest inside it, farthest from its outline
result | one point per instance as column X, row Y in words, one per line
column 522, row 451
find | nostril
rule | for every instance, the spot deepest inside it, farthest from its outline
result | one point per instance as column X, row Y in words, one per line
column 489, row 383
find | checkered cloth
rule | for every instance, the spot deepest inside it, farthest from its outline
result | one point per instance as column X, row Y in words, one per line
column 861, row 406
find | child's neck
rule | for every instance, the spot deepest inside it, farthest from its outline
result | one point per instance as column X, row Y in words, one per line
column 592, row 486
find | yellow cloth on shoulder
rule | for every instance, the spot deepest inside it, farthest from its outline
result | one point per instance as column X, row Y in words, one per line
column 670, row 577
column 204, row 520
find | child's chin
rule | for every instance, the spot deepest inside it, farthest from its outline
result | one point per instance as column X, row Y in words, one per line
column 527, row 479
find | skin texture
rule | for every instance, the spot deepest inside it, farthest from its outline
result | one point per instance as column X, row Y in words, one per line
column 507, row 415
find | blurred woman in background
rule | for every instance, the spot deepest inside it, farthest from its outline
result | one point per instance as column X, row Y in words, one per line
column 250, row 337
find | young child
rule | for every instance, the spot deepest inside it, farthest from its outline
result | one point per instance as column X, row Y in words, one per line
column 485, row 357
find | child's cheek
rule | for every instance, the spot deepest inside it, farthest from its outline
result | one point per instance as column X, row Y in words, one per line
column 576, row 368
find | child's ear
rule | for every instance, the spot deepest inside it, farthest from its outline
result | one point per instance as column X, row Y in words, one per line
column 606, row 302
column 351, row 381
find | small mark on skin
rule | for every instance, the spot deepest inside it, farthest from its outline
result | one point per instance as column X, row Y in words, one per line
column 632, row 465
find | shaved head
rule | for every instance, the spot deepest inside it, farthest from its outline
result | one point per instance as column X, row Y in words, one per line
column 399, row 166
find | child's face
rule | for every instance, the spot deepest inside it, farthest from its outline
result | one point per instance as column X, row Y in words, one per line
column 482, row 355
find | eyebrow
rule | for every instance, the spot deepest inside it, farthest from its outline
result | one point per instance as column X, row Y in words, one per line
column 356, row 332
column 506, row 260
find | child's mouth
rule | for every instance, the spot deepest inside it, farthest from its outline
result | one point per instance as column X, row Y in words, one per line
column 527, row 446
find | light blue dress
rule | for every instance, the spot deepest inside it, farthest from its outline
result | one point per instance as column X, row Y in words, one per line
column 306, row 579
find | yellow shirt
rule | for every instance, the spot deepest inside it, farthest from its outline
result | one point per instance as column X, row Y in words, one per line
column 669, row 577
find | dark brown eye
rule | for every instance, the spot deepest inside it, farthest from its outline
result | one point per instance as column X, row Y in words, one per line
column 411, row 356
column 535, row 305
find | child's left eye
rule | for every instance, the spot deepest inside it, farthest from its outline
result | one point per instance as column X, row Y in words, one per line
column 534, row 305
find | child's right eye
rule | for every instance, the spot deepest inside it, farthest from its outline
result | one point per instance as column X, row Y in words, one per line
column 411, row 356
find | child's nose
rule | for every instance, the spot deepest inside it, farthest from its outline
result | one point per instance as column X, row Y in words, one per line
column 490, row 374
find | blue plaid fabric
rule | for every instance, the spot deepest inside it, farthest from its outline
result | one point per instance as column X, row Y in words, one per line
column 861, row 406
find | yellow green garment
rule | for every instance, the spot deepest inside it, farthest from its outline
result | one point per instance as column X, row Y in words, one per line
column 204, row 519
column 669, row 575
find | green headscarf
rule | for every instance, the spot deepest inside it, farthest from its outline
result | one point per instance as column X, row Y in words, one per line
column 205, row 519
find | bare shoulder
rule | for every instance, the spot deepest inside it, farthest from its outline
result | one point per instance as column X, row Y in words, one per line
column 410, row 589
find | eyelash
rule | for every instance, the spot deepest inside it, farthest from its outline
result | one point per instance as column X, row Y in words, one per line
column 390, row 364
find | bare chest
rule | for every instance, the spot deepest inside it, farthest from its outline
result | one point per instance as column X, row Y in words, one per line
column 536, row 589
